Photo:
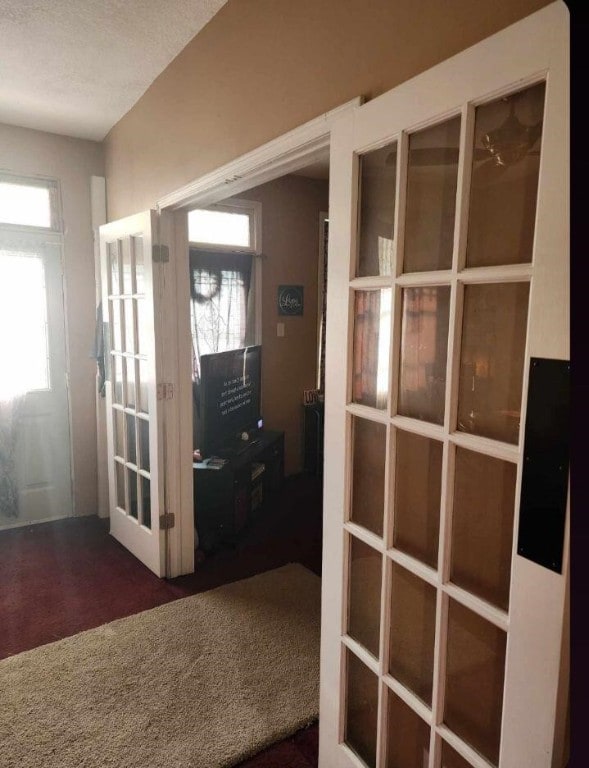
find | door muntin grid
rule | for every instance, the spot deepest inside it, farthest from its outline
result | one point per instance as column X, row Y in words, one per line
column 130, row 366
column 460, row 596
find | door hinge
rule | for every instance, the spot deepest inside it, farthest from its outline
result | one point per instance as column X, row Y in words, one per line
column 165, row 391
column 160, row 254
column 167, row 521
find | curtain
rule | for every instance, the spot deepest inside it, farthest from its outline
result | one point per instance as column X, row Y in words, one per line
column 10, row 414
column 221, row 303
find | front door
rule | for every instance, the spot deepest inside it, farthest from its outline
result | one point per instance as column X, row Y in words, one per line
column 448, row 278
column 34, row 406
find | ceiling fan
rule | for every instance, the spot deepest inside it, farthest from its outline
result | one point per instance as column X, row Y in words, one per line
column 502, row 147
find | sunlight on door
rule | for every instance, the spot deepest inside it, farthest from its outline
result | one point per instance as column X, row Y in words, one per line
column 23, row 308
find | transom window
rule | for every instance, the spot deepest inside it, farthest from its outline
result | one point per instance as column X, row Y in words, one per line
column 28, row 202
column 222, row 226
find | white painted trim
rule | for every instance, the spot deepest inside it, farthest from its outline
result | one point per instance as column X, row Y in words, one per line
column 98, row 217
column 25, row 523
column 283, row 155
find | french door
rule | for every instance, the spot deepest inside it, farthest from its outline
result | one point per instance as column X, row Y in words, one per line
column 448, row 280
column 132, row 293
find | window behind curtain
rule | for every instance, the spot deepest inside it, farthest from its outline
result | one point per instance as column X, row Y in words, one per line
column 220, row 302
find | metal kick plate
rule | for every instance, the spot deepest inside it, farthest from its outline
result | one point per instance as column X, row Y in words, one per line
column 543, row 502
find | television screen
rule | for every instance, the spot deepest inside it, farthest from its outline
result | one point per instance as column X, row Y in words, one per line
column 228, row 398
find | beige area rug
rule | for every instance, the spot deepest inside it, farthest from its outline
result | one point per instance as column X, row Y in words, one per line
column 201, row 682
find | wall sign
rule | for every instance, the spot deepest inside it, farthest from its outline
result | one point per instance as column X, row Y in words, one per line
column 290, row 299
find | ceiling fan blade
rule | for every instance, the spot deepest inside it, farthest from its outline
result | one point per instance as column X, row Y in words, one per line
column 433, row 156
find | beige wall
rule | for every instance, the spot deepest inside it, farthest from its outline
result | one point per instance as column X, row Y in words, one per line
column 262, row 67
column 290, row 244
column 72, row 162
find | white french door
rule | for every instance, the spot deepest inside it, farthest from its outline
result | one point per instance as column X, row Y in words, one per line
column 132, row 293
column 448, row 280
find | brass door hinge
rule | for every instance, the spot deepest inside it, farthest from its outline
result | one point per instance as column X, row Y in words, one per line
column 165, row 391
column 167, row 521
column 160, row 254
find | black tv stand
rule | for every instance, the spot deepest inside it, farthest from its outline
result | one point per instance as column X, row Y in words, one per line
column 226, row 498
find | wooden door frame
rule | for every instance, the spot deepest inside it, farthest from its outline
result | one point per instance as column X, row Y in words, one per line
column 281, row 156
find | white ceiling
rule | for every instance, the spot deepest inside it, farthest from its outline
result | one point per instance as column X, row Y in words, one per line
column 75, row 67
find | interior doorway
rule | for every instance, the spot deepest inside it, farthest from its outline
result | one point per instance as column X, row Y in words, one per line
column 277, row 277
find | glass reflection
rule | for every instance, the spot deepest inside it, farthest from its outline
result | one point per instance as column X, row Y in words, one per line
column 361, row 709
column 418, row 488
column 475, row 671
column 368, row 470
column 407, row 737
column 378, row 172
column 432, row 176
column 365, row 589
column 424, row 345
column 413, row 624
column 482, row 525
column 504, row 186
column 492, row 360
column 372, row 331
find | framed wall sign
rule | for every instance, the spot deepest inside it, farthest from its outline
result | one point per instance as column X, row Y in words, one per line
column 290, row 299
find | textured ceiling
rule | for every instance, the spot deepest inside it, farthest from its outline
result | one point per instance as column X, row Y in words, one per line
column 75, row 67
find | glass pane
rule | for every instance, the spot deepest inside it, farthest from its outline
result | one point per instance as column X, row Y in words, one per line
column 432, row 175
column 23, row 326
column 127, row 266
column 482, row 525
column 129, row 326
column 368, row 465
column 117, row 373
column 492, row 360
column 372, row 330
column 220, row 227
column 119, row 432
column 28, row 205
column 475, row 671
column 407, row 736
column 131, row 446
column 451, row 758
column 143, row 327
column 418, row 487
column 361, row 709
column 143, row 386
column 413, row 626
column 424, row 346
column 143, row 427
column 137, row 245
column 116, row 328
column 120, row 483
column 378, row 172
column 132, row 480
column 504, row 186
column 365, row 588
column 130, row 367
column 146, row 497
column 113, row 260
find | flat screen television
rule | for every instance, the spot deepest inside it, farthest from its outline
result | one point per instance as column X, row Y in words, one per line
column 227, row 400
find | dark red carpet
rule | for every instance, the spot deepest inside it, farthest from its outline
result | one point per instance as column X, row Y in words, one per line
column 60, row 578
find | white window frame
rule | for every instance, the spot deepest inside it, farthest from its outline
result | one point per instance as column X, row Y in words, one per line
column 253, row 209
column 46, row 182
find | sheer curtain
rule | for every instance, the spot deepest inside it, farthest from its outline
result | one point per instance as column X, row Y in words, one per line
column 23, row 357
column 221, row 303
